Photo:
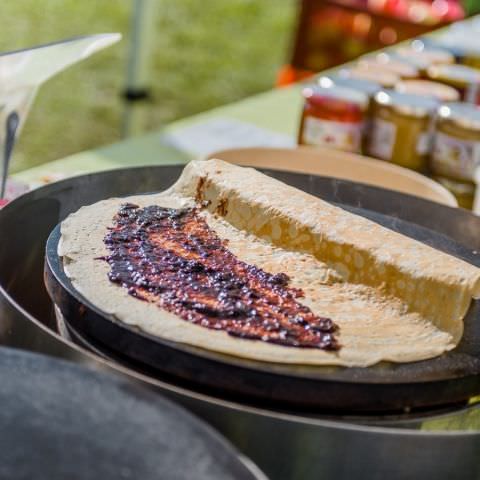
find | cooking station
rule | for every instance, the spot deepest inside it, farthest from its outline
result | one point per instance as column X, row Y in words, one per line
column 387, row 421
column 309, row 442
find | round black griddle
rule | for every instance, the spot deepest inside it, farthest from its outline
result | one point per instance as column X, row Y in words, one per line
column 448, row 379
column 63, row 421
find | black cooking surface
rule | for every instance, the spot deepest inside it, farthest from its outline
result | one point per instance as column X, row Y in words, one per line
column 449, row 378
column 63, row 421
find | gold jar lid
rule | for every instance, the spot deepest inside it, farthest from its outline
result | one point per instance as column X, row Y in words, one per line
column 389, row 62
column 427, row 88
column 458, row 75
column 405, row 104
column 422, row 55
column 386, row 78
column 464, row 115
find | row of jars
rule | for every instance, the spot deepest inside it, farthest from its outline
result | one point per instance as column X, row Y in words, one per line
column 418, row 61
column 417, row 123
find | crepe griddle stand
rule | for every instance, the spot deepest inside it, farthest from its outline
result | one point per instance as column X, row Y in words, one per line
column 384, row 388
column 285, row 442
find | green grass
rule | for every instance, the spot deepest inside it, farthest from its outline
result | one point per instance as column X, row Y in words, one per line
column 206, row 53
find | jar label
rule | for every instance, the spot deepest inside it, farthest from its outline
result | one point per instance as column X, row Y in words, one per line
column 382, row 139
column 454, row 156
column 339, row 135
column 424, row 143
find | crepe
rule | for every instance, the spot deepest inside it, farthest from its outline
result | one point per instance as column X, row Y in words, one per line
column 394, row 298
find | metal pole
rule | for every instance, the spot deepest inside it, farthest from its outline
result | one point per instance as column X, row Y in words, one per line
column 137, row 91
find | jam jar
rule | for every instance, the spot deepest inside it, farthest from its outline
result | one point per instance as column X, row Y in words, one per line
column 390, row 62
column 465, row 79
column 401, row 129
column 426, row 88
column 368, row 87
column 333, row 117
column 386, row 78
column 424, row 57
column 456, row 150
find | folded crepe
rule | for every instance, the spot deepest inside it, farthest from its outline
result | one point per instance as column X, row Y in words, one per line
column 393, row 298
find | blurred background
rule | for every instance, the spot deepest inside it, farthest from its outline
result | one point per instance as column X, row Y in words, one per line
column 206, row 53
column 203, row 54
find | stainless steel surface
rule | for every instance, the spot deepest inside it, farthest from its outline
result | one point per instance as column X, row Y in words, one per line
column 286, row 446
column 397, row 419
column 65, row 415
column 283, row 445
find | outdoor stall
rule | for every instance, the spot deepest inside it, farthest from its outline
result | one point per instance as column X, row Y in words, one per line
column 411, row 110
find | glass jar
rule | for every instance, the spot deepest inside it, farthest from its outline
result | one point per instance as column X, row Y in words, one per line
column 333, row 117
column 437, row 43
column 401, row 129
column 424, row 57
column 367, row 87
column 465, row 79
column 456, row 149
column 391, row 63
column 464, row 192
column 427, row 88
column 471, row 57
column 386, row 78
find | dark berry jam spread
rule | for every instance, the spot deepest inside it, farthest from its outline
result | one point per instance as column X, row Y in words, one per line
column 171, row 257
